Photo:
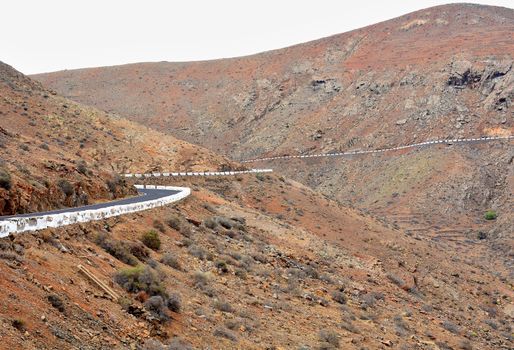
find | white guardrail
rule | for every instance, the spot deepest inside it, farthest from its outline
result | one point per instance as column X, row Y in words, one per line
column 39, row 222
column 355, row 152
column 196, row 173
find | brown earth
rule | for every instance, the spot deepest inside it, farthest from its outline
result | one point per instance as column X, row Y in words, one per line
column 294, row 269
column 56, row 152
column 443, row 72
column 258, row 261
column 264, row 261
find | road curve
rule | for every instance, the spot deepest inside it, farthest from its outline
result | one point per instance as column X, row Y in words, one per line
column 145, row 194
column 149, row 197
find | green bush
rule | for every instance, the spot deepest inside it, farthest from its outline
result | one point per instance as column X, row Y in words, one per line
column 141, row 278
column 151, row 240
column 490, row 215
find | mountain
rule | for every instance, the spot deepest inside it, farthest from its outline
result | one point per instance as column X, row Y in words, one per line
column 246, row 262
column 58, row 153
column 443, row 72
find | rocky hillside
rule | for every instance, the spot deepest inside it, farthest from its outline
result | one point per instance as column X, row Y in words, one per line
column 55, row 152
column 443, row 72
column 248, row 262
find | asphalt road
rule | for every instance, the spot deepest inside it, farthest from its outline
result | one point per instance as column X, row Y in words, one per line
column 144, row 195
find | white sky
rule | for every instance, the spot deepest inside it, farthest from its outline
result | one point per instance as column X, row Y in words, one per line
column 47, row 35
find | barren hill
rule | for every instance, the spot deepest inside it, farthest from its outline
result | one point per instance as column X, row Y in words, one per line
column 243, row 263
column 56, row 152
column 443, row 72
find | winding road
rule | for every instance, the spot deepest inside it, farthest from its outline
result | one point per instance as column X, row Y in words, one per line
column 145, row 194
column 156, row 196
column 149, row 197
column 381, row 150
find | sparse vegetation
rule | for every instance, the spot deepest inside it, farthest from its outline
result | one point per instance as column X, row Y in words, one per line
column 158, row 225
column 174, row 222
column 197, row 252
column 56, row 302
column 221, row 266
column 179, row 344
column 66, row 187
column 141, row 278
column 174, row 302
column 490, row 215
column 19, row 324
column 151, row 240
column 451, row 327
column 117, row 249
column 329, row 339
column 113, row 183
column 82, row 168
column 5, row 179
column 171, row 261
column 177, row 224
column 225, row 333
column 224, row 222
column 396, row 279
column 210, row 223
column 339, row 297
column 156, row 306
column 223, row 306
column 201, row 279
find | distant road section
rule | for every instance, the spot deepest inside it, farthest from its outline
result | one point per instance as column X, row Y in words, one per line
column 149, row 197
column 358, row 152
column 200, row 173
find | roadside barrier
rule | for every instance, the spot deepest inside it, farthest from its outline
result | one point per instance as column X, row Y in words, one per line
column 357, row 152
column 39, row 222
column 196, row 173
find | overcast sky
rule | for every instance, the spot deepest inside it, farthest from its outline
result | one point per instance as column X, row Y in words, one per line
column 48, row 35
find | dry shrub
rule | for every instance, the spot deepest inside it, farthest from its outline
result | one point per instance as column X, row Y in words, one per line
column 151, row 240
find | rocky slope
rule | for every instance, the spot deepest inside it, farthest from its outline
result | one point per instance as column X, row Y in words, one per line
column 249, row 262
column 443, row 72
column 55, row 152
